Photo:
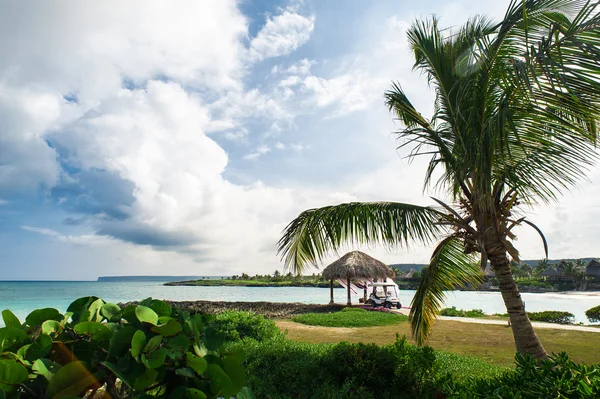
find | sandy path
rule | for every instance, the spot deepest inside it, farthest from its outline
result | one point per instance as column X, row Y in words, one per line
column 535, row 324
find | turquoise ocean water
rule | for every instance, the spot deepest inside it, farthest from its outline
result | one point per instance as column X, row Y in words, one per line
column 24, row 296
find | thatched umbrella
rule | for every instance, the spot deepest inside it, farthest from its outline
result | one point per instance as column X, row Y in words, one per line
column 355, row 265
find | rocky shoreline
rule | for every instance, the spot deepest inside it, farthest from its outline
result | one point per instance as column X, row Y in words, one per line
column 268, row 309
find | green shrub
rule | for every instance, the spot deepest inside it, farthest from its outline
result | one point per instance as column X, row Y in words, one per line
column 453, row 312
column 150, row 348
column 245, row 325
column 530, row 282
column 286, row 369
column 464, row 367
column 552, row 316
column 359, row 310
column 593, row 314
column 558, row 377
column 351, row 318
column 548, row 316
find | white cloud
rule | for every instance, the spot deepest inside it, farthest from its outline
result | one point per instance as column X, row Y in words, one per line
column 281, row 35
column 41, row 230
column 184, row 66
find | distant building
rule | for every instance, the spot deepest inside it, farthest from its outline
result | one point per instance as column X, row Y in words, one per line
column 552, row 274
column 593, row 269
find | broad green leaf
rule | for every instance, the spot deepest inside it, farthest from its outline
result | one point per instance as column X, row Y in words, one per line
column 155, row 359
column 213, row 359
column 120, row 341
column 213, row 339
column 200, row 349
column 146, row 315
column 153, row 343
column 111, row 312
column 70, row 380
column 84, row 350
column 12, row 374
column 216, row 373
column 138, row 342
column 129, row 314
column 98, row 331
column 79, row 308
column 233, row 367
column 10, row 320
column 22, row 353
column 81, row 303
column 94, row 310
column 51, row 327
column 10, row 336
column 246, row 393
column 178, row 342
column 117, row 373
column 187, row 393
column 196, row 393
column 145, row 380
column 39, row 348
column 161, row 308
column 163, row 320
column 45, row 367
column 169, row 329
column 198, row 364
column 185, row 372
column 2, row 394
column 38, row 316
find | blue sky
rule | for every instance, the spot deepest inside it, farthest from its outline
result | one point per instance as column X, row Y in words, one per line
column 183, row 140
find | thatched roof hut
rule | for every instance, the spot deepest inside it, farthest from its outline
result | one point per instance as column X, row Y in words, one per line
column 550, row 272
column 356, row 265
column 593, row 268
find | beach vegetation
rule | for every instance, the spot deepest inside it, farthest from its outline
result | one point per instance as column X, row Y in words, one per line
column 351, row 317
column 514, row 125
column 239, row 326
column 345, row 370
column 140, row 350
column 558, row 377
column 593, row 314
column 549, row 316
column 453, row 312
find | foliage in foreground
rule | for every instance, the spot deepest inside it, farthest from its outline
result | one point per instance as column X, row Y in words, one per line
column 558, row 377
column 238, row 326
column 593, row 314
column 453, row 312
column 151, row 348
column 351, row 317
column 348, row 370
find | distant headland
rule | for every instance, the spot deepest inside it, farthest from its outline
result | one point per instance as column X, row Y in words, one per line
column 161, row 279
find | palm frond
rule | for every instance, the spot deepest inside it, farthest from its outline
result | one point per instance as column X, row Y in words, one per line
column 316, row 232
column 449, row 268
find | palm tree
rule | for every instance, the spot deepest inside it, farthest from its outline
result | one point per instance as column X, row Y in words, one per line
column 514, row 124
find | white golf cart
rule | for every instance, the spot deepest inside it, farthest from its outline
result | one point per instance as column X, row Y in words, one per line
column 384, row 294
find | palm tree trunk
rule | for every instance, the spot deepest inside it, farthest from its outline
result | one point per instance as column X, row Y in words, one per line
column 348, row 286
column 331, row 292
column 526, row 340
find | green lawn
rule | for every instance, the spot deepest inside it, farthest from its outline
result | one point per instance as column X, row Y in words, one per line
column 493, row 344
column 351, row 317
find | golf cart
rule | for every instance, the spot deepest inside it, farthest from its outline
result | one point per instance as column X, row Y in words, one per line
column 384, row 294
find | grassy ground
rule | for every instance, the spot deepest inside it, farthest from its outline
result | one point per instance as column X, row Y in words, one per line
column 491, row 343
column 350, row 317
